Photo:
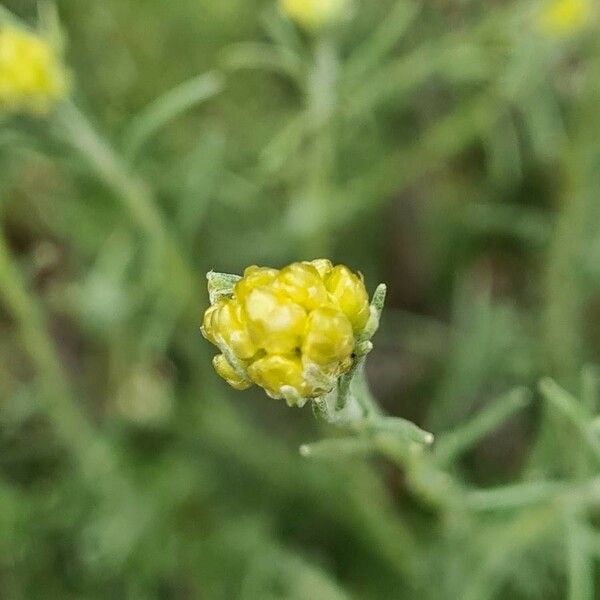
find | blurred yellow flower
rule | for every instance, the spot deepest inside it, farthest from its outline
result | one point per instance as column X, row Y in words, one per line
column 312, row 14
column 32, row 76
column 293, row 332
column 564, row 17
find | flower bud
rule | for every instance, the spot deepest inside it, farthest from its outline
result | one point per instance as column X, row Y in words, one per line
column 208, row 327
column 328, row 338
column 313, row 14
column 228, row 373
column 349, row 293
column 302, row 283
column 230, row 321
column 564, row 17
column 275, row 322
column 254, row 277
column 275, row 371
column 293, row 332
column 224, row 321
column 32, row 77
column 322, row 265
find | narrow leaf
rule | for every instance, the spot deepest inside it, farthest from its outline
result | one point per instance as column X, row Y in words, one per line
column 490, row 418
column 168, row 107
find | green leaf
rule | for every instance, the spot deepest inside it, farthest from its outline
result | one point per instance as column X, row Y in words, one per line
column 168, row 107
column 590, row 388
column 381, row 43
column 338, row 448
column 254, row 55
column 490, row 418
column 515, row 496
column 220, row 285
column 403, row 429
column 580, row 564
column 574, row 411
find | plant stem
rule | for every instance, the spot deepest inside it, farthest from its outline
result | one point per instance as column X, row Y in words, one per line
column 580, row 566
column 111, row 169
column 139, row 202
column 321, row 104
column 59, row 403
column 363, row 414
column 563, row 323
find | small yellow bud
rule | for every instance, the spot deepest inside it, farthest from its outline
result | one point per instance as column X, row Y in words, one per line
column 229, row 322
column 224, row 320
column 254, row 277
column 328, row 338
column 275, row 322
column 322, row 265
column 349, row 293
column 208, row 323
column 227, row 372
column 32, row 76
column 313, row 14
column 292, row 332
column 274, row 371
column 302, row 283
column 564, row 17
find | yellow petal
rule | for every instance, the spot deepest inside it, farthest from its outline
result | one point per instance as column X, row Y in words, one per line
column 276, row 323
column 322, row 265
column 254, row 277
column 228, row 373
column 329, row 337
column 231, row 326
column 302, row 283
column 274, row 371
column 348, row 291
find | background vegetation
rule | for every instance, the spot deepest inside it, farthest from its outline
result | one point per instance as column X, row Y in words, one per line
column 451, row 149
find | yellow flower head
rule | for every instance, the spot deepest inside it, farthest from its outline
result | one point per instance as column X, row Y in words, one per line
column 564, row 17
column 313, row 14
column 292, row 331
column 32, row 76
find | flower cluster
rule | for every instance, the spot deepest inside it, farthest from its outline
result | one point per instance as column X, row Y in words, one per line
column 564, row 17
column 292, row 331
column 32, row 76
column 313, row 14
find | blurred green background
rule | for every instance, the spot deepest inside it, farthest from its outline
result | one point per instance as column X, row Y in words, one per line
column 450, row 149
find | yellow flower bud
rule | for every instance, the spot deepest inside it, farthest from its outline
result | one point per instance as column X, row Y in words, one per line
column 275, row 322
column 274, row 371
column 292, row 332
column 32, row 77
column 564, row 17
column 348, row 291
column 254, row 277
column 302, row 283
column 208, row 323
column 322, row 265
column 328, row 338
column 227, row 372
column 229, row 322
column 312, row 14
